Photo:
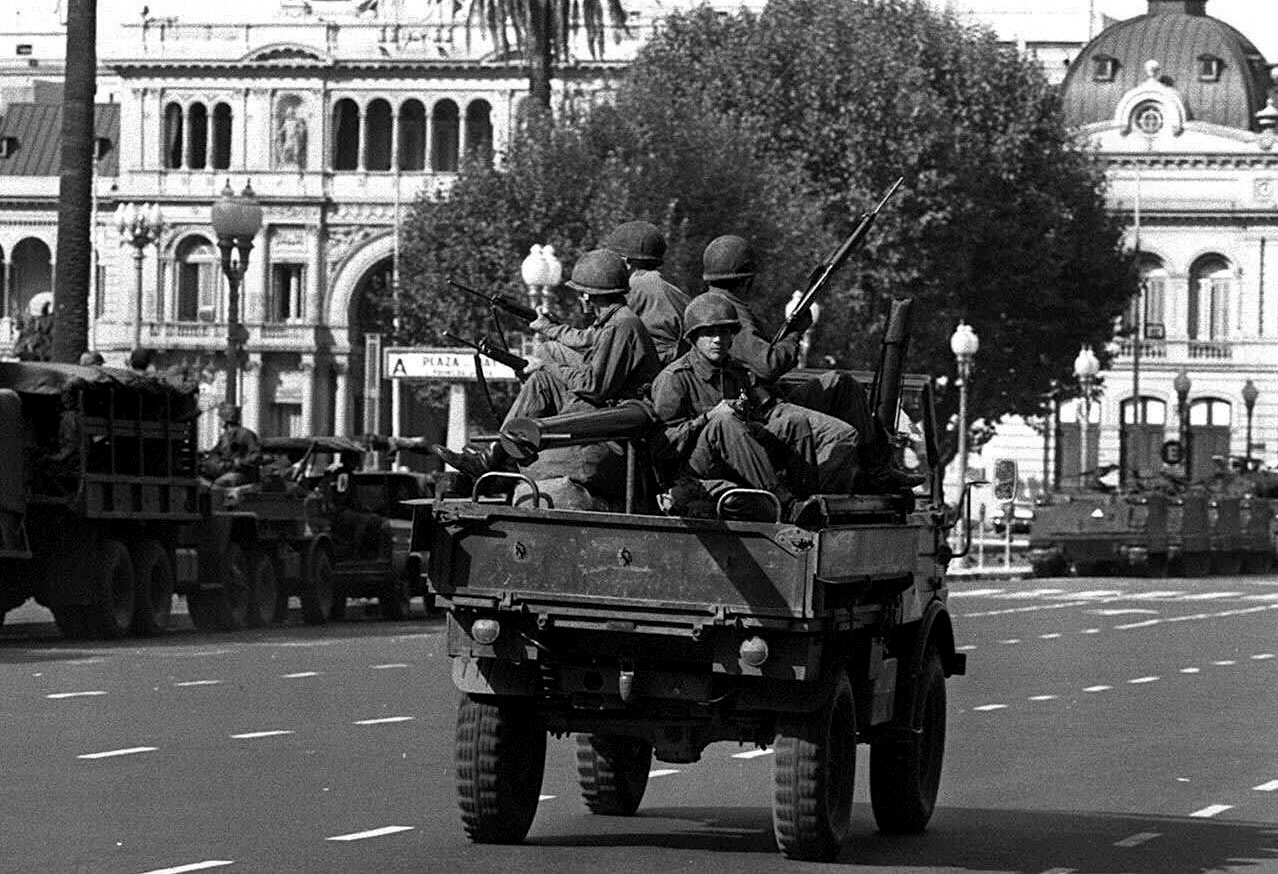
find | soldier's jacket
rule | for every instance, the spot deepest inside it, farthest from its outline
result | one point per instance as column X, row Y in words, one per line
column 690, row 386
column 620, row 362
column 657, row 303
column 237, row 449
column 752, row 347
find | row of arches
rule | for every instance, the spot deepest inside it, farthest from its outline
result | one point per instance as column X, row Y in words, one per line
column 25, row 271
column 1207, row 305
column 375, row 136
column 197, row 138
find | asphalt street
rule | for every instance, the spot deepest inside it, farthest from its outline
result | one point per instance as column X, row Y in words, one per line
column 1105, row 725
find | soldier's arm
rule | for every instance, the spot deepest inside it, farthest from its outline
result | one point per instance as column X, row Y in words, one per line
column 577, row 339
column 607, row 366
column 675, row 409
column 766, row 360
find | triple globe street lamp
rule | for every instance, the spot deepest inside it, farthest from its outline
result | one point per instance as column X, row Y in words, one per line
column 964, row 344
column 1182, row 385
column 1086, row 367
column 139, row 226
column 236, row 219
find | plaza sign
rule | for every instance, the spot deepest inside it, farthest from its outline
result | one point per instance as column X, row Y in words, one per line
column 453, row 365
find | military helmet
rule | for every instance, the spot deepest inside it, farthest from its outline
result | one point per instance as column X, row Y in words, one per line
column 637, row 241
column 709, row 310
column 727, row 257
column 600, row 272
column 229, row 413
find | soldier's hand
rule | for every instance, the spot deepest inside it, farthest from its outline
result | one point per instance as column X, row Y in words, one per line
column 802, row 321
column 541, row 324
column 725, row 407
column 534, row 364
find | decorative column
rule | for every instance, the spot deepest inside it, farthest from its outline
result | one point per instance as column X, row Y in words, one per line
column 308, row 393
column 252, row 401
column 341, row 398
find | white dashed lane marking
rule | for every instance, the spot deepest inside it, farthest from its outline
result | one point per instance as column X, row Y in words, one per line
column 388, row 667
column 384, row 720
column 194, row 866
column 127, row 751
column 1139, row 680
column 1211, row 810
column 372, row 833
column 1190, row 670
column 59, row 695
column 249, row 735
column 752, row 754
column 1225, row 663
column 199, row 683
column 1271, row 786
column 1051, row 636
column 663, row 772
column 1262, row 656
column 1098, row 688
column 299, row 675
column 986, row 707
column 1042, row 698
column 1137, row 839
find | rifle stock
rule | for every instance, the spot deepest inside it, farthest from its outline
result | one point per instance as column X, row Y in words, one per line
column 497, row 302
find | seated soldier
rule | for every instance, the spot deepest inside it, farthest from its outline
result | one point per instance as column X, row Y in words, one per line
column 234, row 461
column 619, row 364
column 721, row 424
column 729, row 269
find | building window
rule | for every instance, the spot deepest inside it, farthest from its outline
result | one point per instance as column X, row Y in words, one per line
column 1104, row 68
column 1210, row 411
column 221, row 158
column 284, row 420
column 1209, row 68
column 377, row 136
column 1210, row 291
column 479, row 131
column 197, row 270
column 99, row 291
column 345, row 135
column 1145, row 316
column 412, row 136
column 445, row 131
column 197, row 124
column 284, row 303
column 174, row 132
column 1148, row 118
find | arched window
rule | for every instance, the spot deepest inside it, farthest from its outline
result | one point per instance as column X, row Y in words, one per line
column 377, row 135
column 445, row 130
column 197, row 125
column 1142, row 437
column 1145, row 315
column 221, row 158
column 196, row 269
column 1210, row 286
column 479, row 131
column 412, row 135
column 174, row 136
column 30, row 273
column 345, row 135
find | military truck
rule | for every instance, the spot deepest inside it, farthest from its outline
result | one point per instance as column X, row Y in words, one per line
column 651, row 636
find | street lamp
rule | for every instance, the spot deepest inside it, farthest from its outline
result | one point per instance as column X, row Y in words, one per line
column 1085, row 368
column 541, row 271
column 1182, row 385
column 964, row 344
column 236, row 220
column 139, row 226
column 1249, row 395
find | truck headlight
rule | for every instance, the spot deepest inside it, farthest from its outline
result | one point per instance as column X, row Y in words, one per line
column 485, row 631
column 754, row 651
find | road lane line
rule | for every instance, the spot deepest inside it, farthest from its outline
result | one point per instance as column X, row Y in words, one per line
column 372, row 833
column 1139, row 680
column 1059, row 871
column 1090, row 631
column 976, row 593
column 199, row 683
column 965, row 648
column 1271, row 786
column 752, row 754
column 59, row 695
column 249, row 735
column 384, row 720
column 1210, row 596
column 547, row 797
column 663, row 772
column 194, row 866
column 985, row 707
column 1051, row 636
column 1042, row 697
column 1211, row 810
column 1146, row 623
column 127, row 751
column 1124, row 611
column 299, row 675
column 1262, row 656
column 1225, row 663
column 1137, row 839
column 1098, row 688
column 387, row 667
column 1191, row 670
column 1010, row 641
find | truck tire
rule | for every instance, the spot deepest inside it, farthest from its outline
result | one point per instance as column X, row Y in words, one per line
column 319, row 595
column 264, row 592
column 814, row 773
column 202, row 610
column 1258, row 563
column 906, row 773
column 501, row 757
column 153, row 600
column 613, row 773
column 112, row 613
column 1052, row 567
column 231, row 606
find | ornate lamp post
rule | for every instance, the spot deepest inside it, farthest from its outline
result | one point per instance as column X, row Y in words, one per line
column 964, row 344
column 236, row 220
column 139, row 226
column 1182, row 385
column 1249, row 395
column 541, row 271
column 1085, row 368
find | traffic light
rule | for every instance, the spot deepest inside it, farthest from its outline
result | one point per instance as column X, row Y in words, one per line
column 1004, row 479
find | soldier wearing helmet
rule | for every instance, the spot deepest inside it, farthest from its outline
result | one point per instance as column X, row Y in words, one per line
column 620, row 362
column 657, row 303
column 236, row 458
column 726, row 428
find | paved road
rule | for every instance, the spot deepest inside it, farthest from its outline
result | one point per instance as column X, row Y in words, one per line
column 1106, row 725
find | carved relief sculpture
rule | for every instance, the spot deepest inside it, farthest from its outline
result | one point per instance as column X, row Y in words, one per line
column 290, row 134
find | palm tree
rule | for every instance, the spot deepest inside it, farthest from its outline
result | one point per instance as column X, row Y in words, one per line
column 541, row 30
column 75, row 191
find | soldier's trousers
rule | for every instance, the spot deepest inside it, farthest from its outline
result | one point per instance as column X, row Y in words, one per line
column 543, row 394
column 839, row 394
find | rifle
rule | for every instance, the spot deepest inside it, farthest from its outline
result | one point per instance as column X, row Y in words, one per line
column 822, row 273
column 484, row 347
column 525, row 314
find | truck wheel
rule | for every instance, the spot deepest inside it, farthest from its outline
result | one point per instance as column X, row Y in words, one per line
column 501, row 756
column 906, row 773
column 393, row 599
column 112, row 614
column 1052, row 567
column 202, row 609
column 153, row 601
column 613, row 772
column 318, row 593
column 814, row 773
column 1258, row 563
column 264, row 594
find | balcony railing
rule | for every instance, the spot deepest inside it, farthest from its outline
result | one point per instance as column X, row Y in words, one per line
column 1148, row 349
column 1216, row 350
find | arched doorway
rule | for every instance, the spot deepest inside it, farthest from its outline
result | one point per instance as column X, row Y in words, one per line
column 31, row 272
column 372, row 312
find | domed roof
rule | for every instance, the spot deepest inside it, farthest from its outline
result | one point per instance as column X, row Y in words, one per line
column 1221, row 76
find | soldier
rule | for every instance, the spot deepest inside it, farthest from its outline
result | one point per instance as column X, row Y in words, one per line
column 657, row 303
column 234, row 461
column 723, row 424
column 91, row 359
column 729, row 268
column 620, row 362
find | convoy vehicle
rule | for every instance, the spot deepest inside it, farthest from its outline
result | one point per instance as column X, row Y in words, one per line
column 651, row 636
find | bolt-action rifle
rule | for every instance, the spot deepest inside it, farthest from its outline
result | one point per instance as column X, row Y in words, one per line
column 516, row 310
column 502, row 356
column 822, row 273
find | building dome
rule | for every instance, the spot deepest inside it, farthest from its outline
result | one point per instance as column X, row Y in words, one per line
column 1221, row 77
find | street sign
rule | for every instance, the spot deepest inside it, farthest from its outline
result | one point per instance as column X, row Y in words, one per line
column 451, row 365
column 1155, row 331
column 1172, row 452
column 1005, row 479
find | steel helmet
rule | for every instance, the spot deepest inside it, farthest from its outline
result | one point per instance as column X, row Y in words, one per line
column 637, row 241
column 727, row 257
column 600, row 272
column 709, row 310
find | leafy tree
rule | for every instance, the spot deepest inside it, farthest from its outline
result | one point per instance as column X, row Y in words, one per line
column 1001, row 220
column 75, row 194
